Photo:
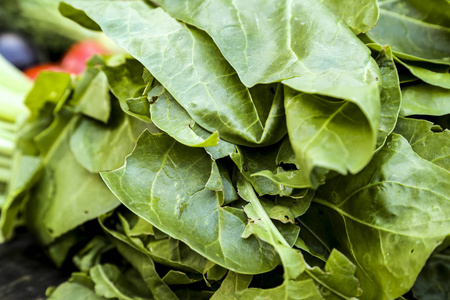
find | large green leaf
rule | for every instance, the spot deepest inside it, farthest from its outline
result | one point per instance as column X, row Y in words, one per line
column 141, row 261
column 189, row 65
column 391, row 97
column 163, row 250
column 272, row 169
column 103, row 147
column 327, row 133
column 290, row 289
column 110, row 282
column 91, row 93
column 50, row 88
column 429, row 73
column 256, row 160
column 389, row 217
column 190, row 210
column 265, row 42
column 125, row 78
column 425, row 99
column 336, row 282
column 26, row 171
column 79, row 287
column 410, row 35
column 67, row 195
column 431, row 143
column 435, row 11
column 360, row 16
column 173, row 119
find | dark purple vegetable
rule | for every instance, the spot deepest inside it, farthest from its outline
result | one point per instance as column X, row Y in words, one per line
column 18, row 50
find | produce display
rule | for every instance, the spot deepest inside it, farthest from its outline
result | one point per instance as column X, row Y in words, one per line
column 286, row 149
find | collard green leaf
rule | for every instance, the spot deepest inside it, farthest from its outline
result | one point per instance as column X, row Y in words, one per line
column 360, row 16
column 216, row 273
column 125, row 77
column 336, row 282
column 103, row 147
column 177, row 277
column 79, row 287
column 189, row 65
column 49, row 88
column 429, row 73
column 90, row 255
column 59, row 249
column 424, row 99
column 389, row 217
column 327, row 133
column 91, row 93
column 435, row 12
column 146, row 268
column 192, row 204
column 173, row 119
column 290, row 289
column 267, row 45
column 67, row 195
column 391, row 97
column 166, row 251
column 142, row 261
column 356, row 79
column 78, row 16
column 260, row 225
column 411, row 38
column 290, row 177
column 255, row 161
column 110, row 282
column 26, row 171
column 232, row 284
column 429, row 142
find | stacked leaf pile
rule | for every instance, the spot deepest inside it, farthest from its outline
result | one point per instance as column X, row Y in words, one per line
column 244, row 150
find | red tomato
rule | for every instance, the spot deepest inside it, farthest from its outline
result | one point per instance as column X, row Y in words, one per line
column 33, row 72
column 75, row 59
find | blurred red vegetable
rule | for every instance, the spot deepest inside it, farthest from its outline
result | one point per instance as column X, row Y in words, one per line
column 33, row 72
column 75, row 59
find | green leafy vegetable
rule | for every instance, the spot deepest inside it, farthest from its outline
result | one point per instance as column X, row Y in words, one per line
column 289, row 149
column 193, row 205
column 388, row 237
column 410, row 35
column 423, row 99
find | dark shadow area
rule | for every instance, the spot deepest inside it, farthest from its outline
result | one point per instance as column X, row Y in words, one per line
column 25, row 270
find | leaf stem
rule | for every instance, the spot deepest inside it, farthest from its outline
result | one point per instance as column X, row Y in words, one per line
column 11, row 110
column 7, row 135
column 259, row 209
column 7, row 126
column 6, row 146
column 5, row 161
column 5, row 174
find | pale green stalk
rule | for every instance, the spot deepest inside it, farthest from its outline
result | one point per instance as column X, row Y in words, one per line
column 5, row 162
column 5, row 174
column 6, row 146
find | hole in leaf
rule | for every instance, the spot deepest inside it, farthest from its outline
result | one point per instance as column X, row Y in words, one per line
column 288, row 167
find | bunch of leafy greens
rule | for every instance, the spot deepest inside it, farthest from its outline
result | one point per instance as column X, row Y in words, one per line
column 244, row 150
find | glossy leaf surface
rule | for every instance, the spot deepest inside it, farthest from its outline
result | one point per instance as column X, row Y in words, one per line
column 193, row 204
